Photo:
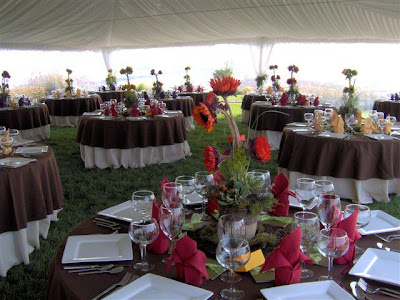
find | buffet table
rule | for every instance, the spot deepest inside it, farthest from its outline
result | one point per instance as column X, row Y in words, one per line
column 269, row 120
column 361, row 169
column 30, row 199
column 32, row 122
column 108, row 142
column 108, row 95
column 247, row 101
column 185, row 105
column 68, row 111
column 197, row 97
column 388, row 107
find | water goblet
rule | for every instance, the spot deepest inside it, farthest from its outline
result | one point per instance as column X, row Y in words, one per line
column 328, row 209
column 328, row 116
column 188, row 187
column 332, row 243
column 305, row 192
column 381, row 124
column 203, row 180
column 380, row 115
column 308, row 117
column 232, row 254
column 171, row 194
column 144, row 234
column 318, row 112
column 392, row 119
column 142, row 202
column 266, row 176
column 309, row 224
column 323, row 187
column 363, row 218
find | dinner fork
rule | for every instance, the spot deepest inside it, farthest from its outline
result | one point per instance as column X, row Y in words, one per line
column 123, row 282
column 389, row 238
column 368, row 288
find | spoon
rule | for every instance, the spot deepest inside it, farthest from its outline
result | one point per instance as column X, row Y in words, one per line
column 383, row 247
column 102, row 268
column 357, row 291
column 112, row 271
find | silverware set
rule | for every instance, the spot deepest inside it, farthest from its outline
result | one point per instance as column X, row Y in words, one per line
column 370, row 289
column 107, row 223
column 389, row 238
column 128, row 278
column 95, row 269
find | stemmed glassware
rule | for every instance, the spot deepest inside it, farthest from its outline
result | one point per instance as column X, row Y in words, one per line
column 308, row 117
column 265, row 176
column 350, row 121
column 171, row 223
column 142, row 202
column 305, row 192
column 143, row 234
column 171, row 194
column 309, row 224
column 381, row 124
column 328, row 209
column 232, row 253
column 188, row 187
column 323, row 187
column 203, row 180
column 332, row 243
column 363, row 218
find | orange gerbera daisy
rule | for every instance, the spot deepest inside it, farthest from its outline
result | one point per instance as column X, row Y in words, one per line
column 224, row 86
column 242, row 138
column 260, row 149
column 211, row 158
column 204, row 116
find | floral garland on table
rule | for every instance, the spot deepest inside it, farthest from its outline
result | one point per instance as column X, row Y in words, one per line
column 157, row 85
column 275, row 78
column 293, row 89
column 69, row 81
column 350, row 99
column 260, row 80
column 5, row 76
column 111, row 80
column 130, row 94
column 188, row 84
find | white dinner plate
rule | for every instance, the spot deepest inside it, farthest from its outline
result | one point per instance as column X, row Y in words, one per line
column 93, row 113
column 380, row 265
column 123, row 212
column 163, row 116
column 37, row 150
column 152, row 286
column 297, row 124
column 302, row 130
column 309, row 290
column 173, row 112
column 380, row 222
column 97, row 248
column 18, row 141
column 380, row 136
column 14, row 162
column 333, row 135
column 136, row 118
column 193, row 199
column 294, row 203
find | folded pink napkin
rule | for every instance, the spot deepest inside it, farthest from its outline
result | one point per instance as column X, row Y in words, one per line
column 284, row 99
column 281, row 193
column 161, row 244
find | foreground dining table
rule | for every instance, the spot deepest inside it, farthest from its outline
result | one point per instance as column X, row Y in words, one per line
column 247, row 101
column 132, row 142
column 185, row 104
column 65, row 285
column 362, row 169
column 32, row 121
column 389, row 107
column 30, row 199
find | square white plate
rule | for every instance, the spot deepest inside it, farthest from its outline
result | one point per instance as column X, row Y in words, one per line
column 309, row 290
column 380, row 265
column 32, row 150
column 163, row 116
column 15, row 162
column 93, row 113
column 294, row 203
column 380, row 136
column 334, row 135
column 136, row 118
column 297, row 124
column 123, row 211
column 380, row 222
column 152, row 286
column 18, row 141
column 193, row 199
column 97, row 248
column 302, row 130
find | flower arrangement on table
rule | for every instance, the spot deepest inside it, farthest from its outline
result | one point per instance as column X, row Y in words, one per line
column 111, row 80
column 350, row 99
column 275, row 78
column 157, row 85
column 130, row 93
column 292, row 82
column 69, row 88
column 260, row 80
column 5, row 88
column 188, row 84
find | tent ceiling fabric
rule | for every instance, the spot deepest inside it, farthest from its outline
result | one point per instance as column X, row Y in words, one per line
column 116, row 24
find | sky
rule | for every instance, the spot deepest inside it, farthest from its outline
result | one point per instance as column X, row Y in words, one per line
column 377, row 64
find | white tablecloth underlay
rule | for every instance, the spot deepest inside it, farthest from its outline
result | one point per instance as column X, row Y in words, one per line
column 36, row 134
column 189, row 123
column 15, row 246
column 274, row 137
column 245, row 116
column 65, row 121
column 359, row 191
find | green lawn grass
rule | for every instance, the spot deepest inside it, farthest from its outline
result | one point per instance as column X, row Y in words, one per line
column 89, row 191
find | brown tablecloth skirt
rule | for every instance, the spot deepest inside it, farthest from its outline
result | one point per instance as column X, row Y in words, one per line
column 197, row 97
column 23, row 118
column 123, row 134
column 71, row 107
column 64, row 285
column 248, row 100
column 272, row 120
column 388, row 107
column 108, row 95
column 185, row 105
column 359, row 158
column 29, row 193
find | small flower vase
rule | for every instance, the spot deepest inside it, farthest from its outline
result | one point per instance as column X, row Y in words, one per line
column 251, row 226
column 292, row 99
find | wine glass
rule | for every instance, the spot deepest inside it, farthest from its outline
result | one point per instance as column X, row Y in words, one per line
column 231, row 227
column 349, row 119
column 144, row 234
column 142, row 202
column 363, row 218
column 305, row 191
column 171, row 223
column 328, row 209
column 381, row 124
column 308, row 117
column 332, row 243
column 323, row 187
column 265, row 176
column 171, row 194
column 232, row 254
column 203, row 180
column 188, row 187
column 392, row 119
column 309, row 224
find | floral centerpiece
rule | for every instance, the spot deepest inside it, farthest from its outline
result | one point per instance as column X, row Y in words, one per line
column 260, row 80
column 5, row 76
column 188, row 84
column 111, row 80
column 69, row 81
column 349, row 100
column 130, row 94
column 292, row 82
column 275, row 78
column 157, row 85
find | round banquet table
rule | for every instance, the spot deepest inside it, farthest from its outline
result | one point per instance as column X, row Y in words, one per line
column 108, row 142
column 65, row 285
column 32, row 122
column 269, row 120
column 361, row 169
column 197, row 97
column 30, row 199
column 247, row 101
column 185, row 105
column 108, row 95
column 68, row 111
column 388, row 107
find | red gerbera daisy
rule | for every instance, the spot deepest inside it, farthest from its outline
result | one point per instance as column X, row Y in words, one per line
column 211, row 158
column 204, row 117
column 260, row 149
column 242, row 138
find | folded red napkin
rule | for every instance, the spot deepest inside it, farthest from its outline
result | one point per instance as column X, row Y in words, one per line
column 213, row 205
column 284, row 99
column 350, row 226
column 114, row 112
column 316, row 101
column 147, row 102
column 161, row 244
column 106, row 111
column 286, row 259
column 190, row 262
column 156, row 110
column 281, row 193
column 302, row 100
column 135, row 111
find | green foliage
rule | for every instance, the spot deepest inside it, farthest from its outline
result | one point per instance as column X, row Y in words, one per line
column 348, row 104
column 225, row 71
column 130, row 98
column 260, row 80
column 141, row 87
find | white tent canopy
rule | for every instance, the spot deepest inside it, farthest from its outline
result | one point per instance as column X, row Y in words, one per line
column 115, row 24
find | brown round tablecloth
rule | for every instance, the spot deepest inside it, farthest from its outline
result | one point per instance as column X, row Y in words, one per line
column 65, row 285
column 359, row 158
column 197, row 97
column 29, row 193
column 248, row 100
column 275, row 118
column 388, row 107
column 185, row 105
column 125, row 134
column 23, row 118
column 72, row 107
column 108, row 95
